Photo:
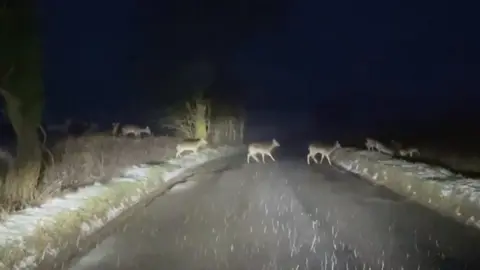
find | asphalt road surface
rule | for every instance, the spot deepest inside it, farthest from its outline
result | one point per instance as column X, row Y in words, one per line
column 284, row 215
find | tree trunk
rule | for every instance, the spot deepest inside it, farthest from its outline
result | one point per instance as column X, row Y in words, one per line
column 200, row 120
column 22, row 179
column 22, row 88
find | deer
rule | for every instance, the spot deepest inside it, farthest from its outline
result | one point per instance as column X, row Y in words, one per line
column 324, row 150
column 263, row 149
column 135, row 130
column 372, row 145
column 190, row 146
column 408, row 152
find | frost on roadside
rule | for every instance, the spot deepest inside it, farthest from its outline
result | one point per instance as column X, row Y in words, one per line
column 18, row 232
column 420, row 180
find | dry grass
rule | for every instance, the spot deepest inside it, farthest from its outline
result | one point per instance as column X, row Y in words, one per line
column 192, row 120
column 85, row 160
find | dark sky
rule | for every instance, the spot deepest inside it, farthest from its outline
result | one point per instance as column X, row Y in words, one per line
column 354, row 64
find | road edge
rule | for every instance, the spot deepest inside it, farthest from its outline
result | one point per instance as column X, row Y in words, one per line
column 448, row 200
column 68, row 223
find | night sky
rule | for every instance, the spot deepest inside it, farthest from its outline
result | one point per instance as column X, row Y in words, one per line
column 355, row 67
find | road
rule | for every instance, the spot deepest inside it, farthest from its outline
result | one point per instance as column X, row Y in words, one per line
column 284, row 215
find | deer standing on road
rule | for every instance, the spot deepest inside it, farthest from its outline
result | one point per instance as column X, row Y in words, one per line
column 324, row 150
column 263, row 149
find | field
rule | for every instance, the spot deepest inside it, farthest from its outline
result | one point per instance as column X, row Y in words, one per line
column 459, row 157
column 458, row 161
column 96, row 158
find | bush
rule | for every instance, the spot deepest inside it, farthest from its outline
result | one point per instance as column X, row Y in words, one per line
column 197, row 120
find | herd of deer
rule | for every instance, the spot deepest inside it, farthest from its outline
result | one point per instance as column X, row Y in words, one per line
column 314, row 149
column 324, row 150
column 263, row 148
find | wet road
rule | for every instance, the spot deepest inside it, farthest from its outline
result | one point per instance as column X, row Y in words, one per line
column 284, row 215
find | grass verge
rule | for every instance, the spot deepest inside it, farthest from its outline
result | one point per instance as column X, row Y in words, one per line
column 67, row 221
column 83, row 161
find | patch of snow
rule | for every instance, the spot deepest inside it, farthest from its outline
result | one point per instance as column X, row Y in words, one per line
column 446, row 191
column 15, row 228
column 26, row 263
column 449, row 183
column 136, row 172
column 372, row 154
column 123, row 179
column 427, row 172
column 174, row 161
column 396, row 162
column 348, row 165
column 414, row 169
column 26, row 221
column 465, row 188
column 420, row 170
column 170, row 175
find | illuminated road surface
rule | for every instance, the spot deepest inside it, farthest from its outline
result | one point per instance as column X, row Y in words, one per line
column 284, row 215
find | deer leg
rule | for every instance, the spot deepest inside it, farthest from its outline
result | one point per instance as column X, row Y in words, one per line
column 328, row 159
column 252, row 156
column 270, row 155
column 314, row 158
column 308, row 159
column 263, row 158
column 321, row 160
